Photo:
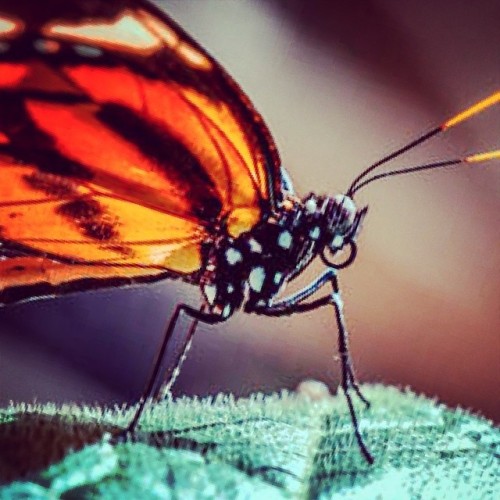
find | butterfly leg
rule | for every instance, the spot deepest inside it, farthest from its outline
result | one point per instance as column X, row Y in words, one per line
column 149, row 392
column 348, row 377
column 297, row 298
column 164, row 387
column 294, row 304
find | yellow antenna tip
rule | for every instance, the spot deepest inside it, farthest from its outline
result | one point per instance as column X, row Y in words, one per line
column 473, row 110
column 489, row 155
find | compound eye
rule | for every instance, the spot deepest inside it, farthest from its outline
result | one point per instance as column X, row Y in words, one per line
column 353, row 250
column 348, row 208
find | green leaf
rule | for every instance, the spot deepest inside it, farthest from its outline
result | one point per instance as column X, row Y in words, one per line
column 278, row 446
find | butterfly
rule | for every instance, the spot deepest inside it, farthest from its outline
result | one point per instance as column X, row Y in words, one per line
column 128, row 155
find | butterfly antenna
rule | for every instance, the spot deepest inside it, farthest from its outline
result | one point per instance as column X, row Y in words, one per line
column 455, row 120
column 479, row 157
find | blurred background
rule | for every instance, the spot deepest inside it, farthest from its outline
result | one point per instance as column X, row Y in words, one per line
column 340, row 84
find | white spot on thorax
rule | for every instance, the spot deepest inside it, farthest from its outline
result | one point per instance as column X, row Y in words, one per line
column 210, row 292
column 285, row 240
column 255, row 246
column 337, row 241
column 256, row 278
column 226, row 311
column 314, row 233
column 310, row 206
column 233, row 256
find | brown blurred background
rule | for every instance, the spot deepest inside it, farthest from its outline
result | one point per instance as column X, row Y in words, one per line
column 340, row 84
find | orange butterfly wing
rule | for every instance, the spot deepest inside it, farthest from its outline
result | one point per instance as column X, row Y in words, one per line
column 123, row 148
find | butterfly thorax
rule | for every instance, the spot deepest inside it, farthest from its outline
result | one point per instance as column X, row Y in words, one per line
column 253, row 268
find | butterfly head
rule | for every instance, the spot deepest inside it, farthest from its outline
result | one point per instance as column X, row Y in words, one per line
column 340, row 222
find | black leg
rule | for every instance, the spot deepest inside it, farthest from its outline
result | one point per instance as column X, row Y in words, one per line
column 348, row 378
column 164, row 387
column 325, row 277
column 197, row 315
column 293, row 305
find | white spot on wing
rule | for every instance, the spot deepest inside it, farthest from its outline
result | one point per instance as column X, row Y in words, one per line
column 46, row 46
column 87, row 50
column 277, row 278
column 256, row 278
column 230, row 288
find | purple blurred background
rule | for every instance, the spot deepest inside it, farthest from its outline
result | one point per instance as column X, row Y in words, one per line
column 340, row 84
